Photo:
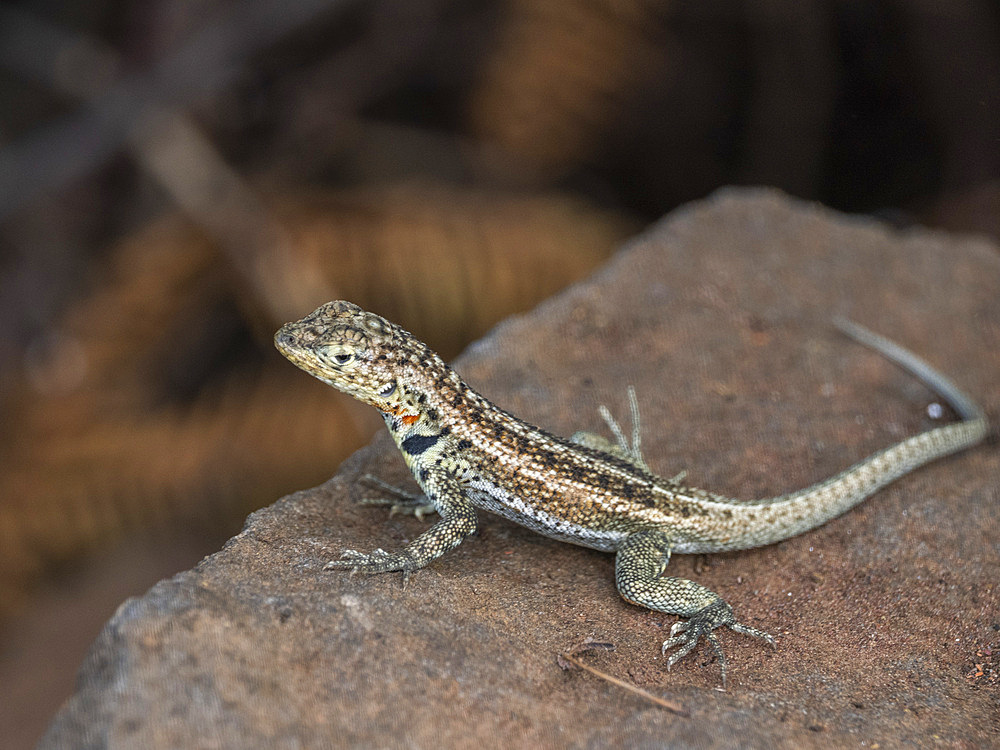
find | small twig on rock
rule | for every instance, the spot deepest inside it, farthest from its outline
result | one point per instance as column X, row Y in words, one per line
column 568, row 658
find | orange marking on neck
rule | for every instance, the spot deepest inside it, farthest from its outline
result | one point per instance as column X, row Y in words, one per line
column 409, row 418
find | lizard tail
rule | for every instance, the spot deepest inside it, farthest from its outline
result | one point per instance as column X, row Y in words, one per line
column 960, row 401
column 773, row 519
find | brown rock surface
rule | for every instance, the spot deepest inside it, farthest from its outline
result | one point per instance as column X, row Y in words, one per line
column 888, row 619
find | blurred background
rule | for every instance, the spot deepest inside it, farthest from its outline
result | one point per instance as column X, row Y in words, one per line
column 180, row 177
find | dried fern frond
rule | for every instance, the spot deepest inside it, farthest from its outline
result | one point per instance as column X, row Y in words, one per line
column 167, row 423
column 559, row 76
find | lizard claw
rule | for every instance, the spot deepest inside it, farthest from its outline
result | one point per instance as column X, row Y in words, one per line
column 377, row 561
column 679, row 627
column 351, row 558
column 702, row 623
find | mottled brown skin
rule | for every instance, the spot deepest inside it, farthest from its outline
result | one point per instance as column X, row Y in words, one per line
column 465, row 453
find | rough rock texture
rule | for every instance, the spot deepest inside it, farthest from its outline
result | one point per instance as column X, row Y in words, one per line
column 888, row 619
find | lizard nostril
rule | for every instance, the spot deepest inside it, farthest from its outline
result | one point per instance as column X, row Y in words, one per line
column 283, row 338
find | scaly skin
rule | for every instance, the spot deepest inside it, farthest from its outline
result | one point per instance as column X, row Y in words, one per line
column 466, row 453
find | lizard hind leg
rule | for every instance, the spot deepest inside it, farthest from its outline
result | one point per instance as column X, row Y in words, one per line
column 639, row 565
column 623, row 448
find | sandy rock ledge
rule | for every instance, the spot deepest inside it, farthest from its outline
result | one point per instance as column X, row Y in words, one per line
column 719, row 315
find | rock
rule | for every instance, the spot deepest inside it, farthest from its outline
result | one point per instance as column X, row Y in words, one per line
column 887, row 618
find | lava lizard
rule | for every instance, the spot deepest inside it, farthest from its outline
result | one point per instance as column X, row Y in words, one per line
column 467, row 453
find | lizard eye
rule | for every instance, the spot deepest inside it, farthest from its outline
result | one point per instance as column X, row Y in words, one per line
column 388, row 390
column 343, row 358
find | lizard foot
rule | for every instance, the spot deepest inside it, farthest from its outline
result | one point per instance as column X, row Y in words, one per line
column 400, row 501
column 378, row 561
column 702, row 623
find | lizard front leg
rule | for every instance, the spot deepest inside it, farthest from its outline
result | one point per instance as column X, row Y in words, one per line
column 639, row 566
column 398, row 500
column 458, row 520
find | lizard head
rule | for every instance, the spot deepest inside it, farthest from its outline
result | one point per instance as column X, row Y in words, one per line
column 359, row 353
